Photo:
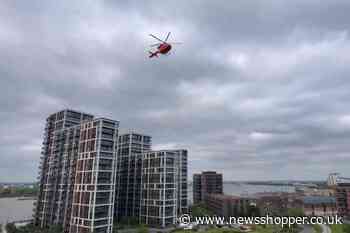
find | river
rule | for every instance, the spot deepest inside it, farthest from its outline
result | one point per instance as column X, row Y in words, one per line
column 12, row 209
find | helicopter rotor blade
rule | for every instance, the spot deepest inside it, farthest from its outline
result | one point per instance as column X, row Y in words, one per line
column 167, row 37
column 157, row 38
column 174, row 42
column 154, row 45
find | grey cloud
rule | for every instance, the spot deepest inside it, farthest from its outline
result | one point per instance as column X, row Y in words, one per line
column 258, row 90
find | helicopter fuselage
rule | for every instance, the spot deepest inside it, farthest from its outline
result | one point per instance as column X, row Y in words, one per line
column 164, row 48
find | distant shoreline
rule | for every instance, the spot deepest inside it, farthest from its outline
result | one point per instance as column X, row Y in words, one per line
column 19, row 197
column 276, row 183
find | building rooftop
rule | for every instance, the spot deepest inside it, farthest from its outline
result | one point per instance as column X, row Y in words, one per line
column 343, row 180
column 319, row 200
column 268, row 194
column 123, row 132
column 224, row 197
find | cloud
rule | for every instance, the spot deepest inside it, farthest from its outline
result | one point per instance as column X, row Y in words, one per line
column 256, row 91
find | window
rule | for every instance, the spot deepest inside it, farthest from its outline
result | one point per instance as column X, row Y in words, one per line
column 105, row 164
column 170, row 161
column 107, row 145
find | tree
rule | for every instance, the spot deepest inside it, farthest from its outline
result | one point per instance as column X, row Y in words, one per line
column 142, row 229
column 55, row 229
column 253, row 211
column 295, row 212
column 11, row 228
column 346, row 228
column 200, row 210
column 133, row 221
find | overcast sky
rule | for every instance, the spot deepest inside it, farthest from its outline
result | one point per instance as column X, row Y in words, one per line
column 259, row 90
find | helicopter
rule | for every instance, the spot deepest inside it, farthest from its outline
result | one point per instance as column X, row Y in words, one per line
column 163, row 46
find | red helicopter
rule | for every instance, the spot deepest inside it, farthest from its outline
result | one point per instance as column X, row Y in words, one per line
column 163, row 47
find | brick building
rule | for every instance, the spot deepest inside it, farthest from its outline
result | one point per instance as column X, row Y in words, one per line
column 208, row 182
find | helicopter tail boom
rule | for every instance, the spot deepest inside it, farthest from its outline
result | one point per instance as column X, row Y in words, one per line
column 153, row 54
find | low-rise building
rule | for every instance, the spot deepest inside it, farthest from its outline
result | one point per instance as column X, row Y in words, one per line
column 319, row 206
column 228, row 205
column 342, row 194
column 317, row 191
column 277, row 203
column 271, row 202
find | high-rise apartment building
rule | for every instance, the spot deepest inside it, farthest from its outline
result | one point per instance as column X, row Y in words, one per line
column 131, row 146
column 57, row 167
column 182, row 188
column 208, row 182
column 89, row 174
column 164, row 195
column 77, row 173
column 95, row 177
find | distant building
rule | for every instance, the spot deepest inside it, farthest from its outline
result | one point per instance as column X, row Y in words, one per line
column 319, row 206
column 342, row 194
column 271, row 202
column 208, row 182
column 278, row 203
column 196, row 188
column 332, row 179
column 316, row 191
column 228, row 205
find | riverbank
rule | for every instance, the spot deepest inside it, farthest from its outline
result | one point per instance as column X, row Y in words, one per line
column 16, row 192
column 19, row 197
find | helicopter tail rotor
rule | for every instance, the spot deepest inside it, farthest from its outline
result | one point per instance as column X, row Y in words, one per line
column 152, row 54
